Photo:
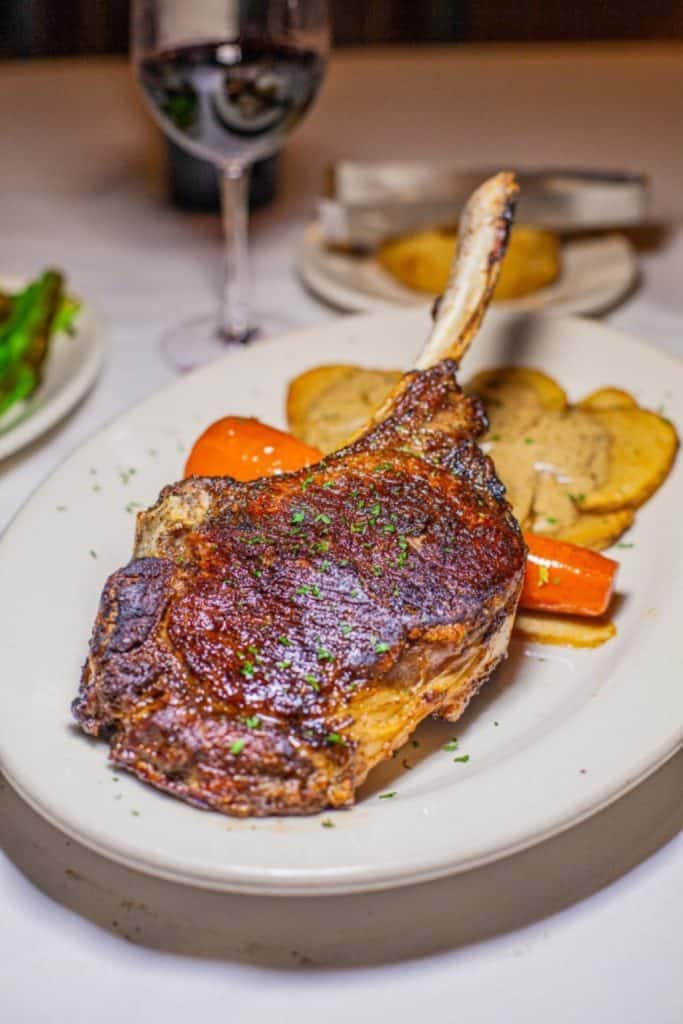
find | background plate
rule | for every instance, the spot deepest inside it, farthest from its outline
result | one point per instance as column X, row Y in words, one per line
column 71, row 367
column 554, row 736
column 596, row 273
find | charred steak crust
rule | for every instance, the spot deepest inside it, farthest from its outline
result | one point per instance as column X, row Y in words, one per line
column 239, row 660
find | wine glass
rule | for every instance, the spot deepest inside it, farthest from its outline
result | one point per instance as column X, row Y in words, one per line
column 228, row 80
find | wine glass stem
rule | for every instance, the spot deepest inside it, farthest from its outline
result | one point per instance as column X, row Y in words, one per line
column 234, row 318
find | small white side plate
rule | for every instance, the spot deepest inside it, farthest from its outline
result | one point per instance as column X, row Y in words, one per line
column 596, row 273
column 71, row 367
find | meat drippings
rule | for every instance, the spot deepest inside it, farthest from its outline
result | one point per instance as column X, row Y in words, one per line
column 548, row 459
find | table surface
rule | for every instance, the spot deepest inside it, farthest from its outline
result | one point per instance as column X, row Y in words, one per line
column 585, row 927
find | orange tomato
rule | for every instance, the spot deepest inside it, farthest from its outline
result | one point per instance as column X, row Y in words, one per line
column 562, row 577
column 246, row 449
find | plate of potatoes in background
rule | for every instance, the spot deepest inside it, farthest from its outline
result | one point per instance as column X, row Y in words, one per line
column 542, row 270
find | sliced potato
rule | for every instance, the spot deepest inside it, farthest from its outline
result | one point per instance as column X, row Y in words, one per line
column 489, row 384
column 597, row 530
column 565, row 630
column 642, row 449
column 608, row 398
column 327, row 404
column 422, row 261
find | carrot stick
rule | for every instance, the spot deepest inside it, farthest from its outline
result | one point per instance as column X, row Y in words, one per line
column 562, row 577
column 246, row 449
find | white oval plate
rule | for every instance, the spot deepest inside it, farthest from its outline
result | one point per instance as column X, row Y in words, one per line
column 596, row 273
column 71, row 367
column 555, row 736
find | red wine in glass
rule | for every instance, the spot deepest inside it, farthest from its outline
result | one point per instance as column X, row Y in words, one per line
column 231, row 101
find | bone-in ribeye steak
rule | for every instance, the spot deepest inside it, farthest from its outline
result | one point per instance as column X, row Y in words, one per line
column 271, row 641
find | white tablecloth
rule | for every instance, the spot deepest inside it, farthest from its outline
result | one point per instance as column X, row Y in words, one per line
column 585, row 927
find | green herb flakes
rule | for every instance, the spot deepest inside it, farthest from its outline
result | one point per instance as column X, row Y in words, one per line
column 238, row 746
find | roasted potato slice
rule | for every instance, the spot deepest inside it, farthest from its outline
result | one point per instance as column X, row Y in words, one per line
column 565, row 630
column 642, row 450
column 422, row 261
column 608, row 398
column 597, row 530
column 327, row 404
column 489, row 384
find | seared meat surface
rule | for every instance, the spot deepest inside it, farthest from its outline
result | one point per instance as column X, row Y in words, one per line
column 271, row 641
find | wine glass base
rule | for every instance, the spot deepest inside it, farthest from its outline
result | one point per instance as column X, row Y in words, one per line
column 200, row 341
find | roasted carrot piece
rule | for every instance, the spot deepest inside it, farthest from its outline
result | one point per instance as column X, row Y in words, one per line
column 246, row 449
column 563, row 577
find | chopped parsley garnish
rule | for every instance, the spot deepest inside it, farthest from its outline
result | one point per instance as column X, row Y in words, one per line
column 387, row 796
column 623, row 544
column 298, row 517
column 463, row 759
column 377, row 570
column 253, row 722
column 551, row 519
column 452, row 745
column 323, row 546
column 327, row 823
column 284, row 641
column 543, row 575
column 312, row 681
column 323, row 517
column 324, row 655
column 389, row 528
column 346, row 628
column 328, row 484
column 306, row 482
column 283, row 664
column 333, row 737
column 375, row 510
column 383, row 465
column 257, row 539
column 528, row 440
column 247, row 669
column 238, row 746
column 381, row 647
column 93, row 554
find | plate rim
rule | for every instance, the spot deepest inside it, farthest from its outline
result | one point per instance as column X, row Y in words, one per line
column 284, row 882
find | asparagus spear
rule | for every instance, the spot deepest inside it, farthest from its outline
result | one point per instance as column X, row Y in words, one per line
column 24, row 337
